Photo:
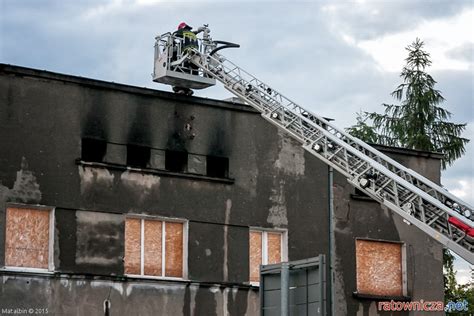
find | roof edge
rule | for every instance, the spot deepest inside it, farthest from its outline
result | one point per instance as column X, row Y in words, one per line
column 102, row 84
column 408, row 151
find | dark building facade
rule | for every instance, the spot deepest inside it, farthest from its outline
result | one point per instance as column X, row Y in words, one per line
column 144, row 202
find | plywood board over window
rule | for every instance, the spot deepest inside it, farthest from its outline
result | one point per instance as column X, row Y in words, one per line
column 174, row 250
column 265, row 247
column 379, row 268
column 27, row 243
column 132, row 246
column 274, row 247
column 155, row 247
column 255, row 255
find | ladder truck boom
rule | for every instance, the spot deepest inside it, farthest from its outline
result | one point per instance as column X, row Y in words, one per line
column 418, row 200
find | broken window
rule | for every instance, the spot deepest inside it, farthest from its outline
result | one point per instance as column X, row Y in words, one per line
column 217, row 167
column 176, row 161
column 138, row 156
column 379, row 268
column 93, row 149
column 28, row 235
column 154, row 247
column 265, row 247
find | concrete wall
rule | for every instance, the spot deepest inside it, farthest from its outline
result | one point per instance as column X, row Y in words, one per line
column 273, row 184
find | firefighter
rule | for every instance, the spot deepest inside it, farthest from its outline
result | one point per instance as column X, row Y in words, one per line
column 189, row 37
column 189, row 42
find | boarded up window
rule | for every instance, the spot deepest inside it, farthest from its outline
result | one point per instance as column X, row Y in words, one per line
column 264, row 248
column 27, row 238
column 379, row 268
column 132, row 246
column 274, row 247
column 255, row 255
column 174, row 250
column 154, row 248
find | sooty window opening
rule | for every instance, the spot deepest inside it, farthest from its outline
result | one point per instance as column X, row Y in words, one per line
column 138, row 156
column 176, row 161
column 93, row 149
column 217, row 167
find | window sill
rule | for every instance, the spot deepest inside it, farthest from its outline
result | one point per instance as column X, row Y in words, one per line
column 26, row 270
column 144, row 278
column 151, row 277
column 372, row 297
column 158, row 172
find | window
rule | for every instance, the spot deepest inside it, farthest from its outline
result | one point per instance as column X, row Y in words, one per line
column 380, row 268
column 138, row 156
column 93, row 149
column 265, row 247
column 176, row 161
column 29, row 235
column 155, row 248
column 217, row 167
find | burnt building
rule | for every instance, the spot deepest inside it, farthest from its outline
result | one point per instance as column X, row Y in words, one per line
column 143, row 202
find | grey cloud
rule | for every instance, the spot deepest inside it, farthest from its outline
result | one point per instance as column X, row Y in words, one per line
column 464, row 52
column 372, row 19
column 57, row 36
column 456, row 87
column 463, row 167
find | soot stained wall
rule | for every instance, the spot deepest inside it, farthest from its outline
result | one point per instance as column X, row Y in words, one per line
column 270, row 182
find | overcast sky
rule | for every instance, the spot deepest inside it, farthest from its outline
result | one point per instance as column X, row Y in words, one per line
column 335, row 58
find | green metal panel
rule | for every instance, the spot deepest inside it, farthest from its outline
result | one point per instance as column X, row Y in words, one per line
column 307, row 288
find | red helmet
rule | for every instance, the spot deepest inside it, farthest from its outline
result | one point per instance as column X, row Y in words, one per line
column 182, row 25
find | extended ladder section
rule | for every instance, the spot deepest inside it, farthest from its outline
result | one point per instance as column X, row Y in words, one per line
column 418, row 200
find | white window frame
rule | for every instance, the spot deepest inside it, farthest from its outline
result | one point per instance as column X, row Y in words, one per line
column 283, row 244
column 163, row 221
column 51, row 210
column 403, row 260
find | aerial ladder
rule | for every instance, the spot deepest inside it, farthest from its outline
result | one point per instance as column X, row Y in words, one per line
column 419, row 201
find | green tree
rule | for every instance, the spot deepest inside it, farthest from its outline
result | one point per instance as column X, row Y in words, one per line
column 418, row 122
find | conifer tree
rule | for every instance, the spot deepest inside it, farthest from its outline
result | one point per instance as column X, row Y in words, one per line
column 419, row 121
